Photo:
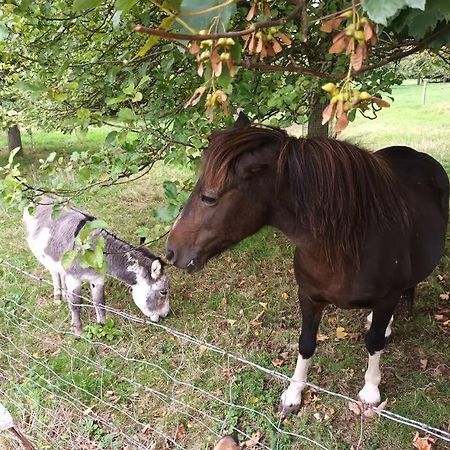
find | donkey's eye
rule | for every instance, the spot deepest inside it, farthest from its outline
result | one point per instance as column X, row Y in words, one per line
column 210, row 201
column 163, row 293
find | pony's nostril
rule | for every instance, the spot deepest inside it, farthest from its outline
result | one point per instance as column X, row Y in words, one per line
column 170, row 255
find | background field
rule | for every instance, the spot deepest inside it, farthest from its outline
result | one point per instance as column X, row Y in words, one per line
column 244, row 302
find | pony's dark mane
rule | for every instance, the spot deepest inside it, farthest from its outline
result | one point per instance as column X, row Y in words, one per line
column 339, row 190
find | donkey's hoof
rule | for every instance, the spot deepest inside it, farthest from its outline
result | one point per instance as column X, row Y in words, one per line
column 286, row 410
column 77, row 331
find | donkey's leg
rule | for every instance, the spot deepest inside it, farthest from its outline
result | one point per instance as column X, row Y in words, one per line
column 311, row 315
column 97, row 294
column 74, row 299
column 375, row 343
column 388, row 331
column 63, row 285
column 56, row 285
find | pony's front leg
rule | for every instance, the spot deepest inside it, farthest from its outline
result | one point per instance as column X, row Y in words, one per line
column 291, row 398
column 375, row 343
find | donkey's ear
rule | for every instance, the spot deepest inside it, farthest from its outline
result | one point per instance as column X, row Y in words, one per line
column 241, row 122
column 156, row 269
column 250, row 163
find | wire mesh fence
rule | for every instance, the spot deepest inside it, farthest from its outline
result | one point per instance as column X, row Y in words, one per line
column 143, row 385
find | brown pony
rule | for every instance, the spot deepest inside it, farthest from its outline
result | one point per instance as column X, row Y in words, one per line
column 367, row 226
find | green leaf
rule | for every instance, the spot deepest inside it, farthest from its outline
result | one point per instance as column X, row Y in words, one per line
column 419, row 4
column 60, row 96
column 381, row 10
column 116, row 20
column 124, row 5
column 111, row 138
column 127, row 115
column 137, row 97
column 152, row 40
column 12, row 154
column 79, row 5
column 4, row 31
column 202, row 21
column 68, row 258
column 170, row 189
column 174, row 5
column 97, row 223
column 99, row 251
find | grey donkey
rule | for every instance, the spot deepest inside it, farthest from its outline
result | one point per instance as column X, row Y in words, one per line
column 50, row 238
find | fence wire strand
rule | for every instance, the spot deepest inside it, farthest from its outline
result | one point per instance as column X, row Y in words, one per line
column 169, row 398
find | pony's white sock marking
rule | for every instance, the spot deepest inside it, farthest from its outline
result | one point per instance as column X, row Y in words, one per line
column 370, row 392
column 388, row 331
column 293, row 394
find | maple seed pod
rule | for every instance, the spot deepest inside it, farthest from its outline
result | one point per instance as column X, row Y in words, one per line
column 206, row 43
column 365, row 95
column 350, row 29
column 347, row 106
column 329, row 87
column 222, row 41
column 347, row 14
column 203, row 32
column 229, row 42
column 359, row 35
column 225, row 56
column 259, row 35
column 273, row 30
column 334, row 99
column 205, row 55
column 364, row 20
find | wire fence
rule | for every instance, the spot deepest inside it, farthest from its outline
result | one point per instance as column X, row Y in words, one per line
column 89, row 393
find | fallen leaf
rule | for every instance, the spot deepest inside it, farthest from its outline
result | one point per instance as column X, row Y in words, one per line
column 264, row 305
column 231, row 321
column 322, row 337
column 254, row 441
column 201, row 348
column 444, row 296
column 181, row 432
column 277, row 362
column 439, row 317
column 285, row 295
column 422, row 443
column 423, row 363
column 341, row 333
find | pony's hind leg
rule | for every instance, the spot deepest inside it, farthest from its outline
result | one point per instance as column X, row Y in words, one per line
column 375, row 343
column 388, row 331
column 291, row 398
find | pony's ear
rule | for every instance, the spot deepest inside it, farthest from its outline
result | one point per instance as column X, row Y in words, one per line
column 156, row 269
column 250, row 163
column 241, row 122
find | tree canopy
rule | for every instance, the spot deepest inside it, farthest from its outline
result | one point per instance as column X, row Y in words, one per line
column 158, row 72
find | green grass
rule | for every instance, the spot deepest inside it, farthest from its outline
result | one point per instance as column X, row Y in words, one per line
column 245, row 302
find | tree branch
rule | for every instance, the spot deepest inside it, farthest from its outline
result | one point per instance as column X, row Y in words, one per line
column 201, row 37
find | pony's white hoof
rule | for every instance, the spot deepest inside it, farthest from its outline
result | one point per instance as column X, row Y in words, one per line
column 370, row 395
column 290, row 403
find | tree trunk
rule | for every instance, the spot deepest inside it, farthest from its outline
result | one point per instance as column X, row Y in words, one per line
column 14, row 139
column 315, row 127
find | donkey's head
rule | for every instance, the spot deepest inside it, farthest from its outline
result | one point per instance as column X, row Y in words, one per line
column 151, row 291
column 231, row 199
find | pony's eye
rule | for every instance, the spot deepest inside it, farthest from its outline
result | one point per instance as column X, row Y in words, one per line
column 163, row 293
column 210, row 201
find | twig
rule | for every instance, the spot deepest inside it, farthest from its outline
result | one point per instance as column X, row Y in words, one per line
column 201, row 37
